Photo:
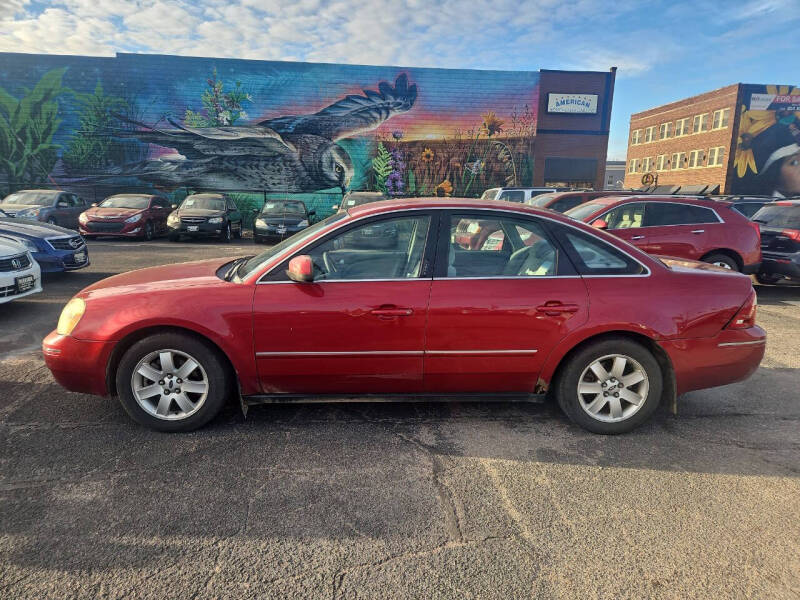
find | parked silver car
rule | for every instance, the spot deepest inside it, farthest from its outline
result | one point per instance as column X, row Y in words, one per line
column 49, row 206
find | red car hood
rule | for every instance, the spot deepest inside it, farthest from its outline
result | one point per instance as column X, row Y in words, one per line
column 155, row 279
column 112, row 213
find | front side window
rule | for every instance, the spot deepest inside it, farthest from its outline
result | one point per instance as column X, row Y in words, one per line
column 625, row 216
column 384, row 249
column 499, row 247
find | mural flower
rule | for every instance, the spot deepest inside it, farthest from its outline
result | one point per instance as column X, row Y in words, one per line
column 752, row 123
column 445, row 188
column 394, row 181
column 427, row 155
column 397, row 134
column 491, row 124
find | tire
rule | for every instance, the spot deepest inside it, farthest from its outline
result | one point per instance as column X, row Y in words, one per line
column 148, row 231
column 638, row 360
column 52, row 221
column 768, row 278
column 238, row 233
column 183, row 411
column 226, row 234
column 722, row 260
column 174, row 237
column 257, row 239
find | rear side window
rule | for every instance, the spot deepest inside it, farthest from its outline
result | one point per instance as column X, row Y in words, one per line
column 512, row 196
column 592, row 256
column 564, row 204
column 779, row 215
column 701, row 214
column 748, row 209
column 672, row 213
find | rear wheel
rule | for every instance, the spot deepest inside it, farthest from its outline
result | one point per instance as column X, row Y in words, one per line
column 768, row 278
column 172, row 382
column 610, row 386
column 722, row 260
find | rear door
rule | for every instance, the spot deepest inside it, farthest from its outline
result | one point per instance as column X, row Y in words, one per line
column 492, row 323
column 679, row 230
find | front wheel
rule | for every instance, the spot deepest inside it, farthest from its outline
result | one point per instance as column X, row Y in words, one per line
column 239, row 232
column 148, row 231
column 610, row 386
column 722, row 260
column 172, row 382
column 226, row 234
column 52, row 221
column 768, row 278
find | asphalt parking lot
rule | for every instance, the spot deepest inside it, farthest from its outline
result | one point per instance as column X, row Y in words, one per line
column 392, row 501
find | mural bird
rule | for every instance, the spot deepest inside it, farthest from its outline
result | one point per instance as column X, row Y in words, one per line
column 285, row 154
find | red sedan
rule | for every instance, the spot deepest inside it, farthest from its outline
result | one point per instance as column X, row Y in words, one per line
column 711, row 231
column 602, row 327
column 127, row 215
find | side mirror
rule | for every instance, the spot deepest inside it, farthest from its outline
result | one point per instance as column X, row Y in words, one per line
column 174, row 206
column 301, row 269
column 600, row 224
column 312, row 212
column 94, row 203
column 335, row 207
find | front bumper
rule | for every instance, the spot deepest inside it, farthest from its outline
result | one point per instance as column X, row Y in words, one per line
column 203, row 229
column 107, row 228
column 270, row 232
column 730, row 356
column 78, row 365
column 56, row 261
column 8, row 283
column 787, row 265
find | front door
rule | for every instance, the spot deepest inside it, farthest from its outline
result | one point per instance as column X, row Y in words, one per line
column 627, row 222
column 498, row 306
column 359, row 327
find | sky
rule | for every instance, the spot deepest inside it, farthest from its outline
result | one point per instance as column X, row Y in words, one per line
column 664, row 51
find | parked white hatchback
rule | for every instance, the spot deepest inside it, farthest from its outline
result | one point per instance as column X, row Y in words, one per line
column 20, row 275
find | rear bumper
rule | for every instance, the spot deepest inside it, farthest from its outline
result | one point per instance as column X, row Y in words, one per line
column 78, row 365
column 788, row 265
column 732, row 355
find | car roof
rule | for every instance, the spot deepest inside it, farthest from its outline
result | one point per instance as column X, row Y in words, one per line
column 38, row 191
column 609, row 200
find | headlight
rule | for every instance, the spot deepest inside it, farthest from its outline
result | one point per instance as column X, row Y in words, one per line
column 215, row 220
column 303, row 223
column 70, row 316
column 261, row 223
column 134, row 218
column 29, row 212
column 173, row 219
column 83, row 218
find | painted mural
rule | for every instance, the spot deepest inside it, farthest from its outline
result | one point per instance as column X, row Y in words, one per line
column 767, row 159
column 256, row 127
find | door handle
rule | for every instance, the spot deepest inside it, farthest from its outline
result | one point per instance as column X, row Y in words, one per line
column 698, row 231
column 391, row 311
column 555, row 308
column 638, row 237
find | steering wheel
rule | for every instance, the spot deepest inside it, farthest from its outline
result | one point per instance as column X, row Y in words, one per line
column 330, row 264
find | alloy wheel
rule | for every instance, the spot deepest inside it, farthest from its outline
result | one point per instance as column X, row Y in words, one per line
column 722, row 264
column 169, row 384
column 613, row 388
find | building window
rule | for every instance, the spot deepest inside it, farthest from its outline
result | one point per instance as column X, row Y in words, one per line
column 665, row 131
column 716, row 156
column 632, row 166
column 661, row 162
column 696, row 158
column 650, row 134
column 721, row 118
column 677, row 160
column 648, row 163
column 636, row 137
column 682, row 127
column 700, row 123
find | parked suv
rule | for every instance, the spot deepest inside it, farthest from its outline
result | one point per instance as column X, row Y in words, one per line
column 564, row 201
column 127, row 215
column 205, row 215
column 780, row 241
column 747, row 205
column 706, row 230
column 518, row 194
column 49, row 206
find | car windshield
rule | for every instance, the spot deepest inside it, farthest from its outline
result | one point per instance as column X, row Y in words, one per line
column 126, row 202
column 583, row 211
column 204, row 202
column 30, row 198
column 779, row 215
column 541, row 199
column 490, row 194
column 284, row 208
column 252, row 264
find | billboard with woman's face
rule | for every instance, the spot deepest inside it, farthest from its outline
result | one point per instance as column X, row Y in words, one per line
column 767, row 159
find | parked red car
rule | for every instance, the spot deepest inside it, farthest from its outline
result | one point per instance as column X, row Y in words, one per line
column 682, row 227
column 127, row 215
column 564, row 201
column 605, row 329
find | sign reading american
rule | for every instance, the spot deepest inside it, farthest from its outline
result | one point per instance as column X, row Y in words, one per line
column 572, row 103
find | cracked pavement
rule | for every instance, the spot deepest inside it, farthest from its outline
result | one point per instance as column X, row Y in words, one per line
column 393, row 501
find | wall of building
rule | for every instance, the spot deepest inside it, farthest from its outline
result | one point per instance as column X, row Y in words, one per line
column 705, row 103
column 312, row 130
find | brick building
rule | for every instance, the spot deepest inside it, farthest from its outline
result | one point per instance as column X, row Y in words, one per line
column 685, row 143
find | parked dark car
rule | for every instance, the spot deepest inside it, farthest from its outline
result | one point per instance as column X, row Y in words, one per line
column 353, row 199
column 780, row 241
column 747, row 205
column 564, row 201
column 127, row 215
column 48, row 206
column 205, row 215
column 279, row 219
column 54, row 248
column 682, row 227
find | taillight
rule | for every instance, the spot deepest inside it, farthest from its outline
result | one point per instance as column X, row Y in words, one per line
column 755, row 226
column 746, row 315
column 792, row 234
